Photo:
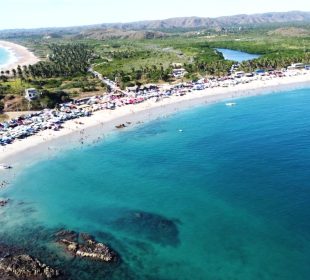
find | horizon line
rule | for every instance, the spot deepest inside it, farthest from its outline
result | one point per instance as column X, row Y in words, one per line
column 139, row 21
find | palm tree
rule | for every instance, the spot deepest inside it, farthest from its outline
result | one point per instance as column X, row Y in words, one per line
column 14, row 73
column 19, row 72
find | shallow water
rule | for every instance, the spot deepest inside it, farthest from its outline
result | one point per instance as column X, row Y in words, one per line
column 227, row 198
column 237, row 55
column 4, row 56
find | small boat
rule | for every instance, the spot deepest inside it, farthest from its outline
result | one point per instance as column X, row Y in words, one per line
column 5, row 166
column 230, row 104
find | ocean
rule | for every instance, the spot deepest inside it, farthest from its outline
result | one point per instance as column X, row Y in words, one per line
column 214, row 192
column 4, row 56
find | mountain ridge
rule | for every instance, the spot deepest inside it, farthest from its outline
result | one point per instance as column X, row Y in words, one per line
column 209, row 22
column 186, row 23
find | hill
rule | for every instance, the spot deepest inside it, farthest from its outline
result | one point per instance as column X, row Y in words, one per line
column 290, row 32
column 104, row 34
column 105, row 30
column 211, row 23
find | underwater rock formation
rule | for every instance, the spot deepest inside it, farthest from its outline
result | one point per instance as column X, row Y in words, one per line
column 26, row 267
column 85, row 246
column 151, row 226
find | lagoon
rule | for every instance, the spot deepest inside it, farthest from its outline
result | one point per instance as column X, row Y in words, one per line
column 238, row 56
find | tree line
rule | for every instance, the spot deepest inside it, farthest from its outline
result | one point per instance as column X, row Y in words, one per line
column 275, row 61
column 64, row 60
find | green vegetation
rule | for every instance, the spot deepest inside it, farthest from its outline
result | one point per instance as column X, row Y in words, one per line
column 276, row 60
column 65, row 60
column 277, row 50
column 131, row 60
column 148, row 61
column 60, row 77
column 50, row 99
column 144, row 61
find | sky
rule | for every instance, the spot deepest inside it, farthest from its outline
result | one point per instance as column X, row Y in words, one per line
column 61, row 13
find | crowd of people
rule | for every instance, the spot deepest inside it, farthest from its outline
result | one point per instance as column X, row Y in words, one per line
column 30, row 124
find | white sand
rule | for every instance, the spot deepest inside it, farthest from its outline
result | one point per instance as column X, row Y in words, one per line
column 104, row 121
column 19, row 55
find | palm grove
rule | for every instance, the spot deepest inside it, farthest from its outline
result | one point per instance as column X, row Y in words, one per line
column 64, row 60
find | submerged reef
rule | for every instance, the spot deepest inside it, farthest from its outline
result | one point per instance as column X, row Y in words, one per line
column 26, row 267
column 151, row 226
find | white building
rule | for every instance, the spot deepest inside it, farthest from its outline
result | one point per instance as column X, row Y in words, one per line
column 31, row 94
column 239, row 74
column 179, row 73
column 296, row 66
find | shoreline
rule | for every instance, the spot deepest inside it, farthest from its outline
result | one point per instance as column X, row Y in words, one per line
column 19, row 55
column 95, row 127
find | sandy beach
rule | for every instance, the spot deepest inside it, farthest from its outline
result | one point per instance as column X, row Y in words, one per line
column 19, row 55
column 102, row 122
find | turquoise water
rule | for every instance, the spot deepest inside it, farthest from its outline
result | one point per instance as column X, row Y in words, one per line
column 227, row 198
column 4, row 56
column 237, row 55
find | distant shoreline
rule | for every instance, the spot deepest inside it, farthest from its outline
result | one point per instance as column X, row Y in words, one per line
column 90, row 129
column 19, row 55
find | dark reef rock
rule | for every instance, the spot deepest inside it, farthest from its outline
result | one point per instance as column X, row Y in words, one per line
column 39, row 241
column 85, row 246
column 69, row 235
column 3, row 202
column 154, row 227
column 26, row 267
column 6, row 250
